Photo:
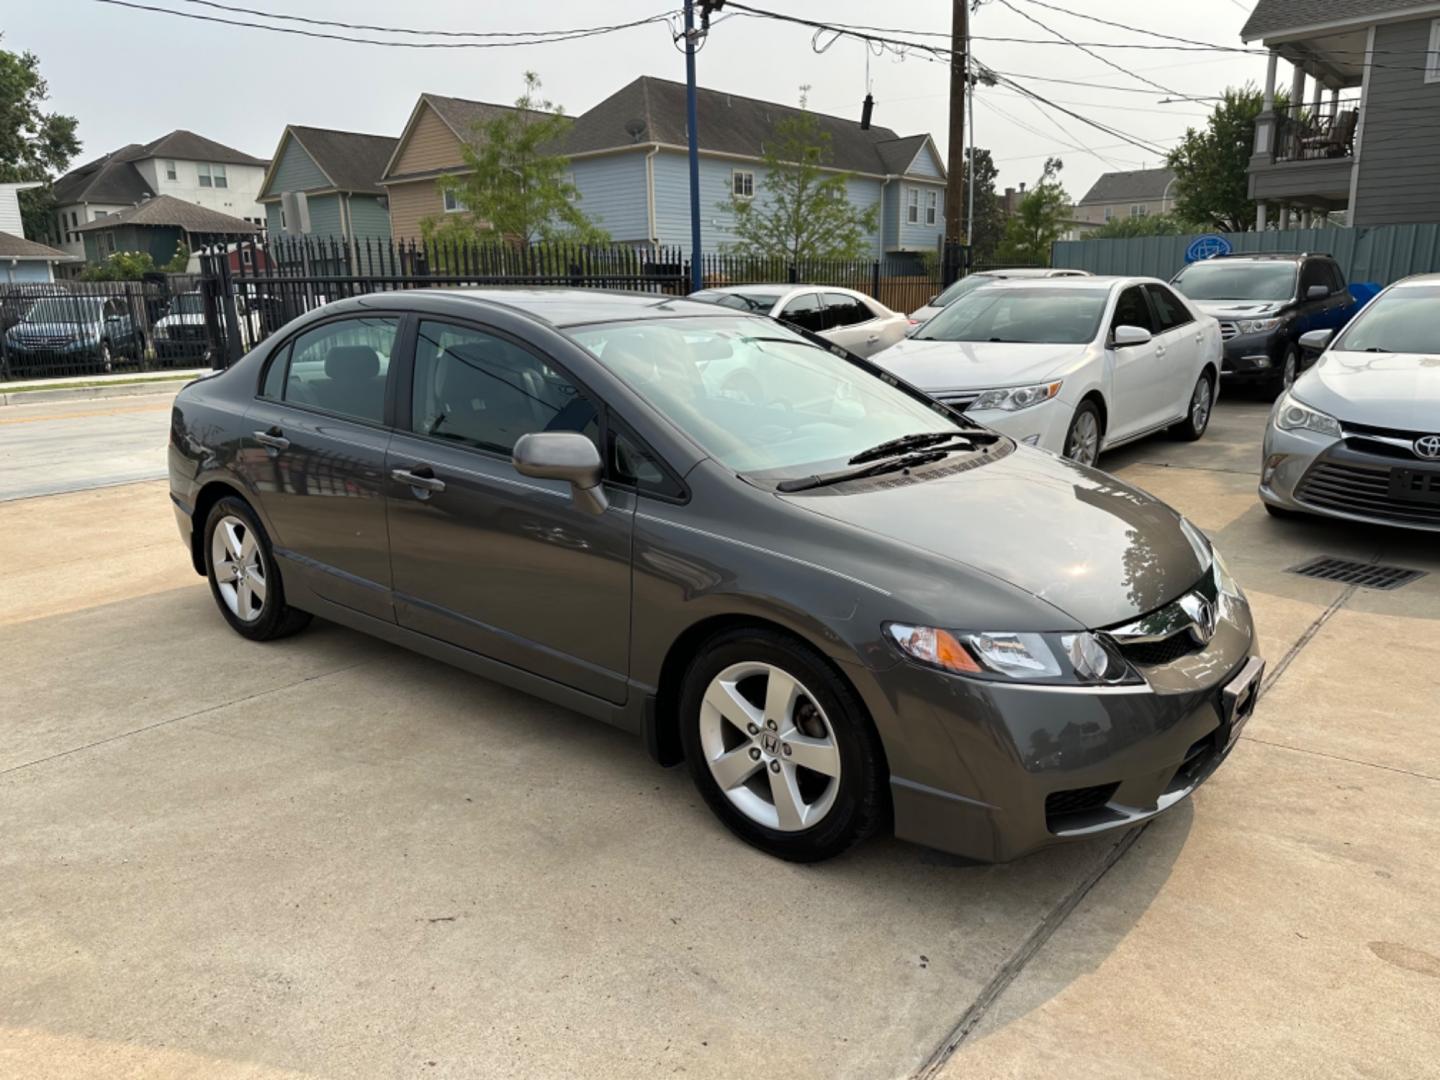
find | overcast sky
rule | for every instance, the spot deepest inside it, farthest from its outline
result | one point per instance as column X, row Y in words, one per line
column 130, row 76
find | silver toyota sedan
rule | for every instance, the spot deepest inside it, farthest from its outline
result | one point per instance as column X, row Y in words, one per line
column 1358, row 435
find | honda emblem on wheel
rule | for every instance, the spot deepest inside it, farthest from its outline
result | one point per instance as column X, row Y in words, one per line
column 1428, row 446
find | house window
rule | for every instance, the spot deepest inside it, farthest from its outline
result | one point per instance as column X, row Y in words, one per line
column 1109, row 212
column 932, row 207
column 105, row 243
column 211, row 175
column 170, row 173
column 1432, row 58
column 74, row 221
column 1138, row 210
column 218, row 172
column 101, row 213
column 453, row 204
column 912, row 205
column 742, row 184
column 247, row 258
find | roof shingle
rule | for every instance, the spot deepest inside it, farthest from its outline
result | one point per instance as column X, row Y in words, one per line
column 354, row 162
column 1139, row 184
column 17, row 247
column 166, row 210
column 113, row 177
column 1278, row 16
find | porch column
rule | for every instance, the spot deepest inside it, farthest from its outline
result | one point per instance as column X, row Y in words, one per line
column 1260, row 208
column 1270, row 65
column 1335, row 102
column 1265, row 122
column 1315, row 98
column 1297, row 87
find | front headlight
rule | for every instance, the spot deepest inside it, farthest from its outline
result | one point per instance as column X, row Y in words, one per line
column 1291, row 415
column 1067, row 659
column 1257, row 326
column 1227, row 588
column 1017, row 397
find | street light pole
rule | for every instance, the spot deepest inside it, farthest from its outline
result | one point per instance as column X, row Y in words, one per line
column 693, row 138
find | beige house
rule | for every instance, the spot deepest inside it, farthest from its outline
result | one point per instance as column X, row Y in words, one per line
column 1138, row 193
column 430, row 147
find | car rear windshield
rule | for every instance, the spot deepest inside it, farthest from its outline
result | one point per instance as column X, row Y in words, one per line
column 1399, row 321
column 758, row 397
column 757, row 303
column 1237, row 280
column 1039, row 314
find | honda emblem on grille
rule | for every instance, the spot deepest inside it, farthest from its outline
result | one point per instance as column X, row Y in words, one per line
column 1428, row 446
column 1202, row 617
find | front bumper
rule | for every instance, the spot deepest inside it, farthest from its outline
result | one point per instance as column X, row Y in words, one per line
column 995, row 771
column 1254, row 356
column 1316, row 474
column 1044, row 425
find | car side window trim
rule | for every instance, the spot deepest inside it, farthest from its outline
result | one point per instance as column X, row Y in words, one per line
column 615, row 426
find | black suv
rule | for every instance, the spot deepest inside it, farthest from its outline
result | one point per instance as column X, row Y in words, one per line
column 1264, row 302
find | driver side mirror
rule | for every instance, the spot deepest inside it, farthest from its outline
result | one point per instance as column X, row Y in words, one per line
column 564, row 455
column 1130, row 335
column 1317, row 292
column 1315, row 340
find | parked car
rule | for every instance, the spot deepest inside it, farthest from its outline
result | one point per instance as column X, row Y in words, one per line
column 984, row 277
column 1264, row 304
column 851, row 319
column 861, row 610
column 1075, row 366
column 73, row 333
column 1358, row 435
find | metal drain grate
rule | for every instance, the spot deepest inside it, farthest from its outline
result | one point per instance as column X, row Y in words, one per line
column 1365, row 575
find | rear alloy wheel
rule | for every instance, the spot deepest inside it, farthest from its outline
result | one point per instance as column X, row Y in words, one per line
column 1082, row 441
column 780, row 747
column 1197, row 416
column 243, row 577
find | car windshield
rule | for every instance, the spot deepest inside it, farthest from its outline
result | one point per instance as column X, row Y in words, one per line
column 1038, row 314
column 65, row 309
column 961, row 288
column 757, row 303
column 1400, row 321
column 186, row 304
column 757, row 397
column 1237, row 280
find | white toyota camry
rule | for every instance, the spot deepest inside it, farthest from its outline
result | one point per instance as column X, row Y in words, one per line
column 1073, row 365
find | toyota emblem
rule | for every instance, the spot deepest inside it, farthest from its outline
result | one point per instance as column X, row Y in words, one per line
column 1428, row 446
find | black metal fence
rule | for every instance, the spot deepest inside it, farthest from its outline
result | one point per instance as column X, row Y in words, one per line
column 247, row 291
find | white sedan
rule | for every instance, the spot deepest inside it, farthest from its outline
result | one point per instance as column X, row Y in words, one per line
column 852, row 320
column 1075, row 366
column 980, row 278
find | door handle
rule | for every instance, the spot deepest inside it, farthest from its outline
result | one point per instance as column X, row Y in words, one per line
column 1159, row 350
column 418, row 480
column 272, row 439
column 872, row 339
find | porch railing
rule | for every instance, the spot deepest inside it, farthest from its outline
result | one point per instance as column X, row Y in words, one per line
column 1305, row 133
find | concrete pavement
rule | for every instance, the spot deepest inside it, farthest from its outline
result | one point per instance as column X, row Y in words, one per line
column 329, row 857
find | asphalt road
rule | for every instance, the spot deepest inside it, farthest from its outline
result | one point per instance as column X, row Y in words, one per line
column 329, row 857
column 53, row 447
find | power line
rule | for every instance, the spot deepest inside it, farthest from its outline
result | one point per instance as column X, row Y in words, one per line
column 555, row 36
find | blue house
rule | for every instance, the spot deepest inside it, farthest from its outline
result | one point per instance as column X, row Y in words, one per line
column 326, row 184
column 629, row 159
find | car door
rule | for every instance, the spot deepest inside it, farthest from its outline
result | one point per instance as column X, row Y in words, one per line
column 806, row 311
column 314, row 451
column 1313, row 314
column 1338, row 308
column 503, row 565
column 853, row 325
column 1183, row 338
column 1137, row 378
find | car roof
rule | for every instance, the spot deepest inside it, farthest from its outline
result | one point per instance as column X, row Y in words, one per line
column 1034, row 272
column 560, row 306
column 1093, row 282
column 785, row 288
column 1274, row 256
column 1417, row 279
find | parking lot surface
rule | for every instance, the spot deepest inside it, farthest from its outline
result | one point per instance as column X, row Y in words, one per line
column 330, row 857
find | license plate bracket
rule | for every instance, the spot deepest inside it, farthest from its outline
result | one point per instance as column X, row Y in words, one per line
column 1238, row 698
column 1415, row 485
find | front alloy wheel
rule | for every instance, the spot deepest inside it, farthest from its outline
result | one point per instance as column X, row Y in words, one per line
column 1082, row 441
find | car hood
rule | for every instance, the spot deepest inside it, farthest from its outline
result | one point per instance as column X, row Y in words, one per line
column 1397, row 390
column 1238, row 309
column 974, row 365
column 1098, row 550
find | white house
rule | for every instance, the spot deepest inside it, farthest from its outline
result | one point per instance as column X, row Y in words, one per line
column 181, row 164
column 22, row 260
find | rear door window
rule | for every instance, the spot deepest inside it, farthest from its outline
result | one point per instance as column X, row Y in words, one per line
column 341, row 367
column 846, row 310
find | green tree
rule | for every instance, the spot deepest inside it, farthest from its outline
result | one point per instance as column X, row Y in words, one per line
column 1212, row 166
column 802, row 210
column 1039, row 221
column 1149, row 225
column 120, row 266
column 34, row 144
column 988, row 229
column 518, row 188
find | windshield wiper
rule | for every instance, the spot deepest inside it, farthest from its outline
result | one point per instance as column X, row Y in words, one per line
column 895, row 464
column 891, row 447
column 1375, row 348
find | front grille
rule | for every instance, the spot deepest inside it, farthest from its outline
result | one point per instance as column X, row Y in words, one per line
column 957, row 399
column 1348, row 572
column 44, row 341
column 1364, row 491
column 1385, row 442
column 1165, row 651
column 1066, row 804
column 1228, row 330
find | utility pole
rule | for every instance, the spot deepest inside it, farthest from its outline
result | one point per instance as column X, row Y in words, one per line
column 696, row 279
column 959, row 83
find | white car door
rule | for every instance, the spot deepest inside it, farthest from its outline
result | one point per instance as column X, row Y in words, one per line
column 1183, row 338
column 1138, row 385
column 853, row 324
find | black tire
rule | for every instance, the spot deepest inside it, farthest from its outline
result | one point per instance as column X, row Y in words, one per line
column 1189, row 429
column 861, row 802
column 274, row 619
column 106, row 357
column 1085, row 408
column 1288, row 372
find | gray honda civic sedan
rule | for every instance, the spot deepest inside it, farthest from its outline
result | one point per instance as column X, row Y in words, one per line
column 843, row 605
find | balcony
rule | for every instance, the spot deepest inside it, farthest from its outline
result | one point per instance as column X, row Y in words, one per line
column 1305, row 133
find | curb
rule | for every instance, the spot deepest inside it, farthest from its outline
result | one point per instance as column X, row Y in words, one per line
column 91, row 393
